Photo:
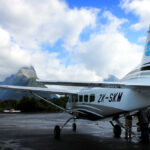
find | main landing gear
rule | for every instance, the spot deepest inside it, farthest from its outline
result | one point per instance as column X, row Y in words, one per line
column 116, row 127
column 58, row 129
column 117, row 131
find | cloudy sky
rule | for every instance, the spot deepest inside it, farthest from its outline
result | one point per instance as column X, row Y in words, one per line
column 79, row 40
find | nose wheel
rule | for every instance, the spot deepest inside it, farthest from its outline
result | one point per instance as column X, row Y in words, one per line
column 57, row 131
column 74, row 127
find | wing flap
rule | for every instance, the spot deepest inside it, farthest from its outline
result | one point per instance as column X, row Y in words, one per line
column 140, row 87
column 83, row 84
column 98, row 84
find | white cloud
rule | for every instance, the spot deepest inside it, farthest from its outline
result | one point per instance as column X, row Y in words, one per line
column 109, row 51
column 47, row 65
column 142, row 39
column 32, row 21
column 114, row 22
column 11, row 56
column 141, row 9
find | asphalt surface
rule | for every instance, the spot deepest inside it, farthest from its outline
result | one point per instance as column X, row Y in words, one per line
column 35, row 132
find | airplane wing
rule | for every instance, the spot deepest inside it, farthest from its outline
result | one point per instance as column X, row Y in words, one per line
column 143, row 87
column 36, row 89
column 135, row 86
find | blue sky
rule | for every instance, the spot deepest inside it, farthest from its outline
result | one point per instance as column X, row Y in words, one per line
column 73, row 39
column 103, row 4
column 114, row 7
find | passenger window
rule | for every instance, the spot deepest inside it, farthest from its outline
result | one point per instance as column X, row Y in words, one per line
column 92, row 98
column 80, row 98
column 85, row 98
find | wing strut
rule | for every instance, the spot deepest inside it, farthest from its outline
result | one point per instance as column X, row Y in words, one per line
column 61, row 108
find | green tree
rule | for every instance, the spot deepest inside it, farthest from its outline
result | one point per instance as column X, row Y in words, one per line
column 32, row 104
column 9, row 104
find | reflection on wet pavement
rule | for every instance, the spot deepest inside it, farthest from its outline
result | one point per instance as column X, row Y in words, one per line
column 35, row 131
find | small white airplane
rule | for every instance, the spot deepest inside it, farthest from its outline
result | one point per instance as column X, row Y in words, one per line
column 104, row 99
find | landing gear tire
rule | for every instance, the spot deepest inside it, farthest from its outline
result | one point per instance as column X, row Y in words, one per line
column 117, row 131
column 74, row 127
column 57, row 132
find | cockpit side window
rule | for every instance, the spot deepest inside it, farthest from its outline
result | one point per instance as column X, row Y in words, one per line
column 92, row 97
column 85, row 98
column 75, row 98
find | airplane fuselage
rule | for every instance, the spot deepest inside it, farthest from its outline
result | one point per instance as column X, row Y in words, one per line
column 97, row 103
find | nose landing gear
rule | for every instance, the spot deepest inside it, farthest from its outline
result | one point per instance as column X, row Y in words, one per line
column 57, row 131
column 74, row 127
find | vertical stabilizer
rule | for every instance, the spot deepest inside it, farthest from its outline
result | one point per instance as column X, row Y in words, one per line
column 146, row 56
column 143, row 70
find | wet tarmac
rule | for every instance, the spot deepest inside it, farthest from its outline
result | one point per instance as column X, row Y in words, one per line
column 35, row 132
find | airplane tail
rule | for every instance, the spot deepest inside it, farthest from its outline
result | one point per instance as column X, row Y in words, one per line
column 143, row 70
column 146, row 57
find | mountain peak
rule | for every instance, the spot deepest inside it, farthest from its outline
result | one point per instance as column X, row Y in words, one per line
column 28, row 72
column 26, row 76
column 111, row 78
